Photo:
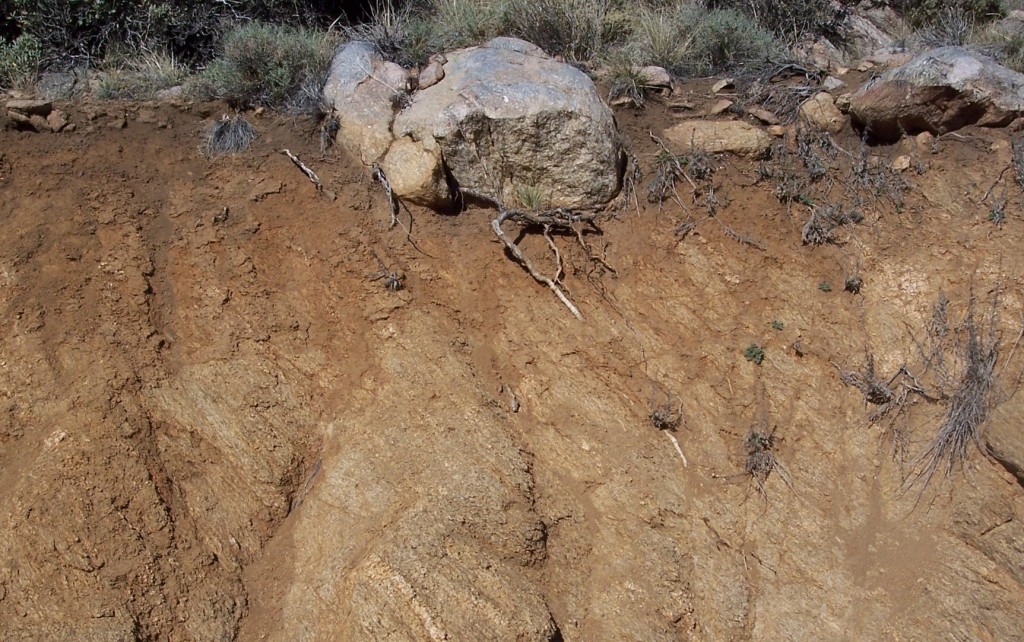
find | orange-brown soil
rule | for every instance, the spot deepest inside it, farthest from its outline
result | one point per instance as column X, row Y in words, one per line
column 217, row 425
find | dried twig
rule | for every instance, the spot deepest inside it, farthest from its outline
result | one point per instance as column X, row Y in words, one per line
column 382, row 178
column 310, row 174
column 675, row 442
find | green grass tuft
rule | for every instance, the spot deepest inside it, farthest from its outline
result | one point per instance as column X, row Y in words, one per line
column 268, row 65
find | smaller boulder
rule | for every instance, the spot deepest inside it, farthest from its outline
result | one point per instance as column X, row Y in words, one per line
column 415, row 171
column 902, row 163
column 656, row 77
column 430, row 75
column 889, row 57
column 170, row 94
column 19, row 119
column 722, row 85
column 938, row 91
column 734, row 136
column 832, row 83
column 57, row 121
column 820, row 111
column 766, row 117
column 365, row 91
column 820, row 54
column 39, row 123
column 720, row 107
column 30, row 107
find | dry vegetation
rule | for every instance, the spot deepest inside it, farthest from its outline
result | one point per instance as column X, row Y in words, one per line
column 281, row 62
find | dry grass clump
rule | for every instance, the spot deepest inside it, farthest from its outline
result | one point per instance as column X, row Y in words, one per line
column 922, row 14
column 793, row 20
column 963, row 360
column 1004, row 41
column 689, row 40
column 462, row 23
column 140, row 77
column 229, row 135
column 572, row 29
column 626, row 81
column 404, row 34
column 952, row 26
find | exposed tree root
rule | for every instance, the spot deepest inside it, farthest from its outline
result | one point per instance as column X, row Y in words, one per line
column 558, row 219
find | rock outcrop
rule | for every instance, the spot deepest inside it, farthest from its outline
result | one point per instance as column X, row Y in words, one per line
column 938, row 91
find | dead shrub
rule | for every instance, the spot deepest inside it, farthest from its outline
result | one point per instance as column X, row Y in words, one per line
column 779, row 88
column 760, row 460
column 871, row 179
column 667, row 416
column 889, row 396
column 824, row 221
column 693, row 167
column 963, row 360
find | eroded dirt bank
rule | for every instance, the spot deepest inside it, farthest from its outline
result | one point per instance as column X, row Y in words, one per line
column 216, row 425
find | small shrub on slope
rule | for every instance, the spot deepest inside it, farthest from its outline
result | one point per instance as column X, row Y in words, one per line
column 268, row 65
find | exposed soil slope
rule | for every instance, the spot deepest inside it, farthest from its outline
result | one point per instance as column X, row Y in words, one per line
column 216, row 424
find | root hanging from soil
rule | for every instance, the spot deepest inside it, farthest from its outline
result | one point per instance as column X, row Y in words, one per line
column 558, row 219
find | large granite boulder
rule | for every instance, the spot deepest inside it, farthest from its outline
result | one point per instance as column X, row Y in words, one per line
column 505, row 117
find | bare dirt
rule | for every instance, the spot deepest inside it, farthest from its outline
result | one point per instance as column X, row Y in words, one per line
column 215, row 424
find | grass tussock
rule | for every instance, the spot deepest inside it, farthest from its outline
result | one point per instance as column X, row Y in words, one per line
column 626, row 82
column 689, row 40
column 463, row 23
column 793, row 20
column 572, row 29
column 408, row 35
column 141, row 77
column 1003, row 41
column 924, row 14
column 268, row 65
column 229, row 135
